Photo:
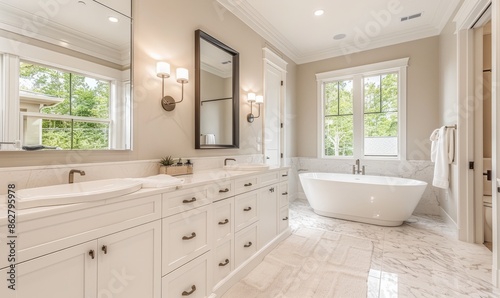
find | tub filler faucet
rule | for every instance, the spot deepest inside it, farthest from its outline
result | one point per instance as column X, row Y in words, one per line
column 356, row 170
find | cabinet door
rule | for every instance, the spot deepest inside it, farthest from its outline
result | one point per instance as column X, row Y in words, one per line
column 268, row 202
column 129, row 263
column 71, row 272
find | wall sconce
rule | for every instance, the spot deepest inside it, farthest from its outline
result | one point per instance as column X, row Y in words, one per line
column 163, row 72
column 251, row 98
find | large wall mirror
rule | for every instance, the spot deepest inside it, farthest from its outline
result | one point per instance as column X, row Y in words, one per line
column 216, row 94
column 67, row 70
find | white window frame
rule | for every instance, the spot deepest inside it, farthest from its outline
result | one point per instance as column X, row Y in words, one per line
column 357, row 74
column 12, row 52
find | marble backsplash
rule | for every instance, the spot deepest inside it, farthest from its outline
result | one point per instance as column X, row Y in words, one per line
column 37, row 176
column 413, row 169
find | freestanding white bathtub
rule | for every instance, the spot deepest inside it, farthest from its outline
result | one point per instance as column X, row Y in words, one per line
column 385, row 201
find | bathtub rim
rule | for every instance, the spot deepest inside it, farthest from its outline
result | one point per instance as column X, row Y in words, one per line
column 363, row 181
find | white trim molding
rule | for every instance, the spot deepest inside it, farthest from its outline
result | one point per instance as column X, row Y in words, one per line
column 356, row 74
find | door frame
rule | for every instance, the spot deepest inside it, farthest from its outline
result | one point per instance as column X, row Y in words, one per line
column 270, row 59
column 465, row 20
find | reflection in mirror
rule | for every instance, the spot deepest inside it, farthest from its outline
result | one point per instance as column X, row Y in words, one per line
column 72, row 63
column 217, row 94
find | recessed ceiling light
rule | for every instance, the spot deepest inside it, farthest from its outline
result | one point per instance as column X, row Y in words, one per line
column 319, row 12
column 339, row 36
column 113, row 20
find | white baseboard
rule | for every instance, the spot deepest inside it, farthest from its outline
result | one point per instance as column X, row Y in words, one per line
column 248, row 265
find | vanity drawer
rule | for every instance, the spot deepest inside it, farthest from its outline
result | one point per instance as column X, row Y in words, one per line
column 245, row 210
column 245, row 244
column 184, row 237
column 245, row 184
column 269, row 178
column 223, row 220
column 191, row 280
column 284, row 174
column 223, row 261
column 183, row 200
column 283, row 219
column 283, row 194
column 221, row 190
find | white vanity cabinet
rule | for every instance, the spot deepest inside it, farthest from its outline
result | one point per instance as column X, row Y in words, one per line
column 124, row 264
column 195, row 241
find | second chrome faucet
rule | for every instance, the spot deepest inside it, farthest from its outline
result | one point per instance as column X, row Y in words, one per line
column 357, row 170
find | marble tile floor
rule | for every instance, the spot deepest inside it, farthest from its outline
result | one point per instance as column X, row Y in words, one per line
column 421, row 258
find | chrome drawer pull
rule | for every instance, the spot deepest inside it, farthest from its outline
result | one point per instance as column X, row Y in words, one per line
column 224, row 222
column 104, row 248
column 224, row 264
column 286, row 218
column 224, row 190
column 91, row 254
column 248, row 245
column 189, row 201
column 193, row 288
column 285, row 193
column 247, row 209
column 193, row 234
column 247, row 184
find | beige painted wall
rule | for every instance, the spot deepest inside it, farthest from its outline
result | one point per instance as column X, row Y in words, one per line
column 448, row 114
column 164, row 30
column 422, row 96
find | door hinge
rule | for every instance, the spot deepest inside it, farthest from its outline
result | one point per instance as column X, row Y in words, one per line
column 281, row 125
column 281, row 155
column 471, row 165
column 281, row 83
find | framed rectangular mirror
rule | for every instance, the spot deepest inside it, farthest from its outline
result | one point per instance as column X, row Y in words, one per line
column 216, row 93
column 68, row 75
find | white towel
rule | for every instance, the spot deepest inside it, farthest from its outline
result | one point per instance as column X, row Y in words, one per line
column 158, row 181
column 209, row 138
column 442, row 151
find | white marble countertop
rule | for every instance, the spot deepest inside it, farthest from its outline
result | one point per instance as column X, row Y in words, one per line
column 196, row 179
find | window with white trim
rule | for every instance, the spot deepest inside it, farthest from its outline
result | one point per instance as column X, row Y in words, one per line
column 63, row 109
column 362, row 111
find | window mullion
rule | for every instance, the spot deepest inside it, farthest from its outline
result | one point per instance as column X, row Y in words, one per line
column 358, row 116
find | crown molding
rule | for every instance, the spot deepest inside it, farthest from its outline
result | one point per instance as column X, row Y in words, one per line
column 246, row 13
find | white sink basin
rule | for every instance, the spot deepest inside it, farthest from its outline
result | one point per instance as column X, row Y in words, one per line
column 247, row 167
column 75, row 193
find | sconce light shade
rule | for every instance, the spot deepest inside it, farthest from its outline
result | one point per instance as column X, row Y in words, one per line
column 251, row 97
column 163, row 69
column 182, row 75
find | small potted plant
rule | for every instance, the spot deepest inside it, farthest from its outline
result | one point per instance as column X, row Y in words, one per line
column 170, row 167
column 165, row 163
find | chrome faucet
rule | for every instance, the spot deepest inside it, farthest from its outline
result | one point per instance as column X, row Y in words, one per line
column 225, row 160
column 356, row 170
column 72, row 174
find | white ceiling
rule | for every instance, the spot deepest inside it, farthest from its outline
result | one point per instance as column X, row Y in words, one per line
column 292, row 27
column 80, row 25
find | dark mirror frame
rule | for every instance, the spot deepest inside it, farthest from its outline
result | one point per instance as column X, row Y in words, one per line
column 199, row 34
